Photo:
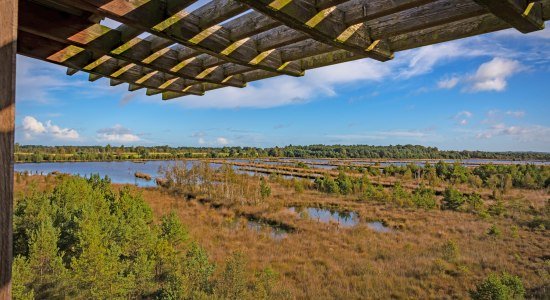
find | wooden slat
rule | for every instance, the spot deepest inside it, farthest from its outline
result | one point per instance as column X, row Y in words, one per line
column 327, row 26
column 58, row 53
column 8, row 38
column 442, row 33
column 80, row 32
column 187, row 31
column 523, row 15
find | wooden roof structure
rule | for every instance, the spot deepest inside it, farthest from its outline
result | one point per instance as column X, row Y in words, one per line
column 220, row 44
column 233, row 42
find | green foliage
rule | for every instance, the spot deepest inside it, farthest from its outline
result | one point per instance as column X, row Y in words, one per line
column 494, row 231
column 34, row 153
column 172, row 230
column 85, row 240
column 475, row 203
column 497, row 209
column 423, row 197
column 265, row 189
column 450, row 250
column 232, row 283
column 496, row 287
column 452, row 199
column 327, row 184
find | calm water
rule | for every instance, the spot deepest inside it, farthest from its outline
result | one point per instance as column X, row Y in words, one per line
column 119, row 171
column 323, row 215
column 123, row 171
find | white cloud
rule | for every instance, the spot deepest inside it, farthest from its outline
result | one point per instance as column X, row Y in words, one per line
column 61, row 133
column 463, row 117
column 493, row 75
column 32, row 125
column 516, row 114
column 522, row 133
column 222, row 141
column 448, row 83
column 36, row 81
column 287, row 90
column 33, row 128
column 117, row 134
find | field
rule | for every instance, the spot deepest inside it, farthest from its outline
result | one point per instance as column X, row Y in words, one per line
column 417, row 251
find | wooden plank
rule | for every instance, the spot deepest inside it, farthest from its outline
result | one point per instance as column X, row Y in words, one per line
column 80, row 32
column 523, row 15
column 326, row 26
column 387, row 23
column 472, row 26
column 187, row 31
column 42, row 48
column 8, row 42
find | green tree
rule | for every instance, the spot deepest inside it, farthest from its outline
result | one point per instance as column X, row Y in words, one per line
column 503, row 287
column 233, row 283
column 452, row 199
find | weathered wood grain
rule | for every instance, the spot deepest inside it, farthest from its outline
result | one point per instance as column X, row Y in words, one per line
column 8, row 41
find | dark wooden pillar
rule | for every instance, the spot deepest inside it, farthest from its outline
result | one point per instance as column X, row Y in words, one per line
column 8, row 48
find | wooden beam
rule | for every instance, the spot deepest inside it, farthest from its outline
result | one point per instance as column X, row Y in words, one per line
column 186, row 29
column 77, row 58
column 80, row 32
column 472, row 26
column 325, row 25
column 523, row 15
column 94, row 77
column 71, row 71
column 8, row 49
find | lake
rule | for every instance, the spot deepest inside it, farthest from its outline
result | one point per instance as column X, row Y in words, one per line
column 123, row 171
column 118, row 171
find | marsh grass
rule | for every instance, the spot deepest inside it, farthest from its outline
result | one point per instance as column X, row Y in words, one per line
column 430, row 254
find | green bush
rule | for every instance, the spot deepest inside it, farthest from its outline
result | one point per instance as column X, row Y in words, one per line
column 496, row 287
column 424, row 198
column 265, row 189
column 452, row 199
column 85, row 240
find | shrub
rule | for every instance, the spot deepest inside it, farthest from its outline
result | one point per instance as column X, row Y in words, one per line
column 499, row 287
column 497, row 209
column 494, row 231
column 452, row 199
column 475, row 203
column 450, row 251
column 265, row 189
column 424, row 198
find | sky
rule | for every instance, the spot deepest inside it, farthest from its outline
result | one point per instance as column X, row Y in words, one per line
column 490, row 92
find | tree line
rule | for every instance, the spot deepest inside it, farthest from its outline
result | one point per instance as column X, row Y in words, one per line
column 37, row 153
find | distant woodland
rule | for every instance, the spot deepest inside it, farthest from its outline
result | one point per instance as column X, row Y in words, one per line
column 34, row 153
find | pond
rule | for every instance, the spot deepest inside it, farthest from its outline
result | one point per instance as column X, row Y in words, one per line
column 323, row 215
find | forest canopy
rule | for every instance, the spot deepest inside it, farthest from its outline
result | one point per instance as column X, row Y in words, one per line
column 35, row 153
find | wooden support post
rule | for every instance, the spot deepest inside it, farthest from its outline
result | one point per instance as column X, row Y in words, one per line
column 524, row 15
column 8, row 49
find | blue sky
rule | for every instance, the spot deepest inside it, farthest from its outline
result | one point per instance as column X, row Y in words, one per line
column 490, row 92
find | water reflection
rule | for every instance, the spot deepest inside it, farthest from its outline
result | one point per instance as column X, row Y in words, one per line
column 323, row 215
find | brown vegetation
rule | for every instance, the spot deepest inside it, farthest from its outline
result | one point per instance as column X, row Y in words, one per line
column 428, row 254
